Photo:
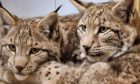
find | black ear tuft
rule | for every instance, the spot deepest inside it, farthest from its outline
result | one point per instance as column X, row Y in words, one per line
column 58, row 9
column 1, row 5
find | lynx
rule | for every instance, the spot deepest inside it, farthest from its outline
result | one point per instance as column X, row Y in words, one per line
column 103, row 33
column 111, row 35
column 25, row 46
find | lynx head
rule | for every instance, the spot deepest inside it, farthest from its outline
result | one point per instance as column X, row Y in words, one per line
column 103, row 33
column 28, row 44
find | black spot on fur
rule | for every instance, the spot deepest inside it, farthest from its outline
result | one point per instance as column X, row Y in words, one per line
column 134, row 83
column 48, row 73
column 56, row 67
column 57, row 73
column 36, row 43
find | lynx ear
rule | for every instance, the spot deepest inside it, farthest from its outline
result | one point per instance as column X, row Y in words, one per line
column 81, row 6
column 6, row 21
column 5, row 17
column 124, row 10
column 50, row 20
column 48, row 25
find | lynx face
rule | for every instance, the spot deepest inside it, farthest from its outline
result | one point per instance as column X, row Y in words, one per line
column 103, row 34
column 26, row 45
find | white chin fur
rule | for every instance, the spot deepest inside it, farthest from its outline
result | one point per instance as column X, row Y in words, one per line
column 82, row 56
column 21, row 77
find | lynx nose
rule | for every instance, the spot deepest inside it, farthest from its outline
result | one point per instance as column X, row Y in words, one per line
column 86, row 48
column 19, row 68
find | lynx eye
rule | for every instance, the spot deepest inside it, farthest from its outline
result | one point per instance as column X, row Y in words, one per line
column 82, row 28
column 102, row 29
column 12, row 47
column 34, row 50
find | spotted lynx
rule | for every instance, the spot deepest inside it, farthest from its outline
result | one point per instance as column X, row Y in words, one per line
column 111, row 35
column 25, row 47
column 56, row 73
column 103, row 34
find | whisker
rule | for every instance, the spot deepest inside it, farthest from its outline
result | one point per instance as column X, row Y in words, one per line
column 99, row 49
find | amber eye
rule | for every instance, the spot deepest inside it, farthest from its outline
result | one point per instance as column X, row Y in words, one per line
column 34, row 50
column 12, row 47
column 82, row 28
column 102, row 29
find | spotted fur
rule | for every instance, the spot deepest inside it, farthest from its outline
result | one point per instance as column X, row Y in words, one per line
column 112, row 33
column 57, row 73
